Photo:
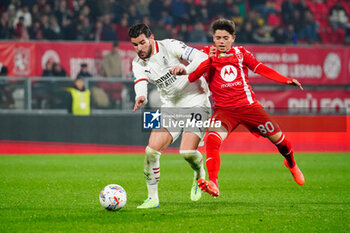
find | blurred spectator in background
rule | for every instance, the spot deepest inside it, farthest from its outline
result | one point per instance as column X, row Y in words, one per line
column 84, row 29
column 262, row 36
column 79, row 102
column 112, row 63
column 134, row 15
column 179, row 10
column 62, row 12
column 278, row 35
column 156, row 7
column 68, row 30
column 287, row 9
column 161, row 31
column 236, row 16
column 142, row 7
column 11, row 12
column 183, row 33
column 48, row 71
column 54, row 30
column 58, row 70
column 6, row 90
column 35, row 32
column 45, row 27
column 35, row 13
column 245, row 34
column 309, row 27
column 338, row 18
column 167, row 19
column 301, row 6
column 122, row 30
column 21, row 30
column 5, row 30
column 27, row 16
column 108, row 31
column 198, row 34
column 84, row 73
column 291, row 35
column 265, row 7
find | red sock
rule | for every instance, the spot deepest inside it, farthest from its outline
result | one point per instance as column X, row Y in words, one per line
column 213, row 155
column 285, row 148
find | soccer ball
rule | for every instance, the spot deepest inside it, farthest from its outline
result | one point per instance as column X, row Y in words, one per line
column 113, row 197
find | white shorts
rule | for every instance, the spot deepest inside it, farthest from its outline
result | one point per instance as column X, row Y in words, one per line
column 178, row 120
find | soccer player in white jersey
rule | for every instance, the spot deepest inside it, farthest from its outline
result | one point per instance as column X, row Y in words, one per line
column 156, row 63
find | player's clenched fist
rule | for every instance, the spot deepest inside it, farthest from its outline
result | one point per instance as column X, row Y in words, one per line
column 178, row 70
column 212, row 51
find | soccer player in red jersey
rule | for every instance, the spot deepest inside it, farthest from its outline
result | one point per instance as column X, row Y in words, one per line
column 226, row 71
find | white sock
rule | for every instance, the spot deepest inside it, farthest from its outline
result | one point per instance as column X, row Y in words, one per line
column 195, row 159
column 152, row 172
column 153, row 191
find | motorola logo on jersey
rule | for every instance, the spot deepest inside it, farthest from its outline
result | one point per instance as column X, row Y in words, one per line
column 229, row 73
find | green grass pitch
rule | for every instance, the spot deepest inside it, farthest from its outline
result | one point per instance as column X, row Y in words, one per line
column 60, row 194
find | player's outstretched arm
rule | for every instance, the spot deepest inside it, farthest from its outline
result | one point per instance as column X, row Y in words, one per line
column 274, row 75
column 139, row 102
column 201, row 69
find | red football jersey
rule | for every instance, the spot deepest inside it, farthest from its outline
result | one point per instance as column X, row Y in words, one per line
column 228, row 77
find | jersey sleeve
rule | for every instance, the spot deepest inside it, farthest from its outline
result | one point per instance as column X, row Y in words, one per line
column 249, row 60
column 184, row 52
column 272, row 74
column 139, row 74
column 140, row 80
column 201, row 70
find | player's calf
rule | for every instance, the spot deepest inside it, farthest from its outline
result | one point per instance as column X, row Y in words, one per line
column 285, row 148
column 213, row 161
column 195, row 160
column 152, row 172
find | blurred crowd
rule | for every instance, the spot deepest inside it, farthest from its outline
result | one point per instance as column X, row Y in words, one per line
column 257, row 21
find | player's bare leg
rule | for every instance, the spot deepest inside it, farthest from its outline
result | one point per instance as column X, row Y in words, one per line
column 285, row 148
column 188, row 150
column 214, row 140
column 159, row 140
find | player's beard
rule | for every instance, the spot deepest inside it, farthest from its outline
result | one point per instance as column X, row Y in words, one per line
column 148, row 53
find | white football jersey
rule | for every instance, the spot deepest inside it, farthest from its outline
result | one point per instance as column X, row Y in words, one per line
column 175, row 91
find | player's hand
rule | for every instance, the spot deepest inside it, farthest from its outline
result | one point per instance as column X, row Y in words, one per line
column 212, row 51
column 139, row 102
column 178, row 70
column 295, row 82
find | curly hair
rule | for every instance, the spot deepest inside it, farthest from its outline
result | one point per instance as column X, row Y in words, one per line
column 224, row 24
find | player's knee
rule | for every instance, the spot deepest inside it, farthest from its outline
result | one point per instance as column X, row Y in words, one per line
column 275, row 137
column 151, row 154
column 193, row 157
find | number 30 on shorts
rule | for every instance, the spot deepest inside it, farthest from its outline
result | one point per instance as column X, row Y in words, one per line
column 268, row 127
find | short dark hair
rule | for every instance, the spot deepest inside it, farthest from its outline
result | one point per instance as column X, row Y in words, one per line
column 79, row 78
column 224, row 24
column 138, row 29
